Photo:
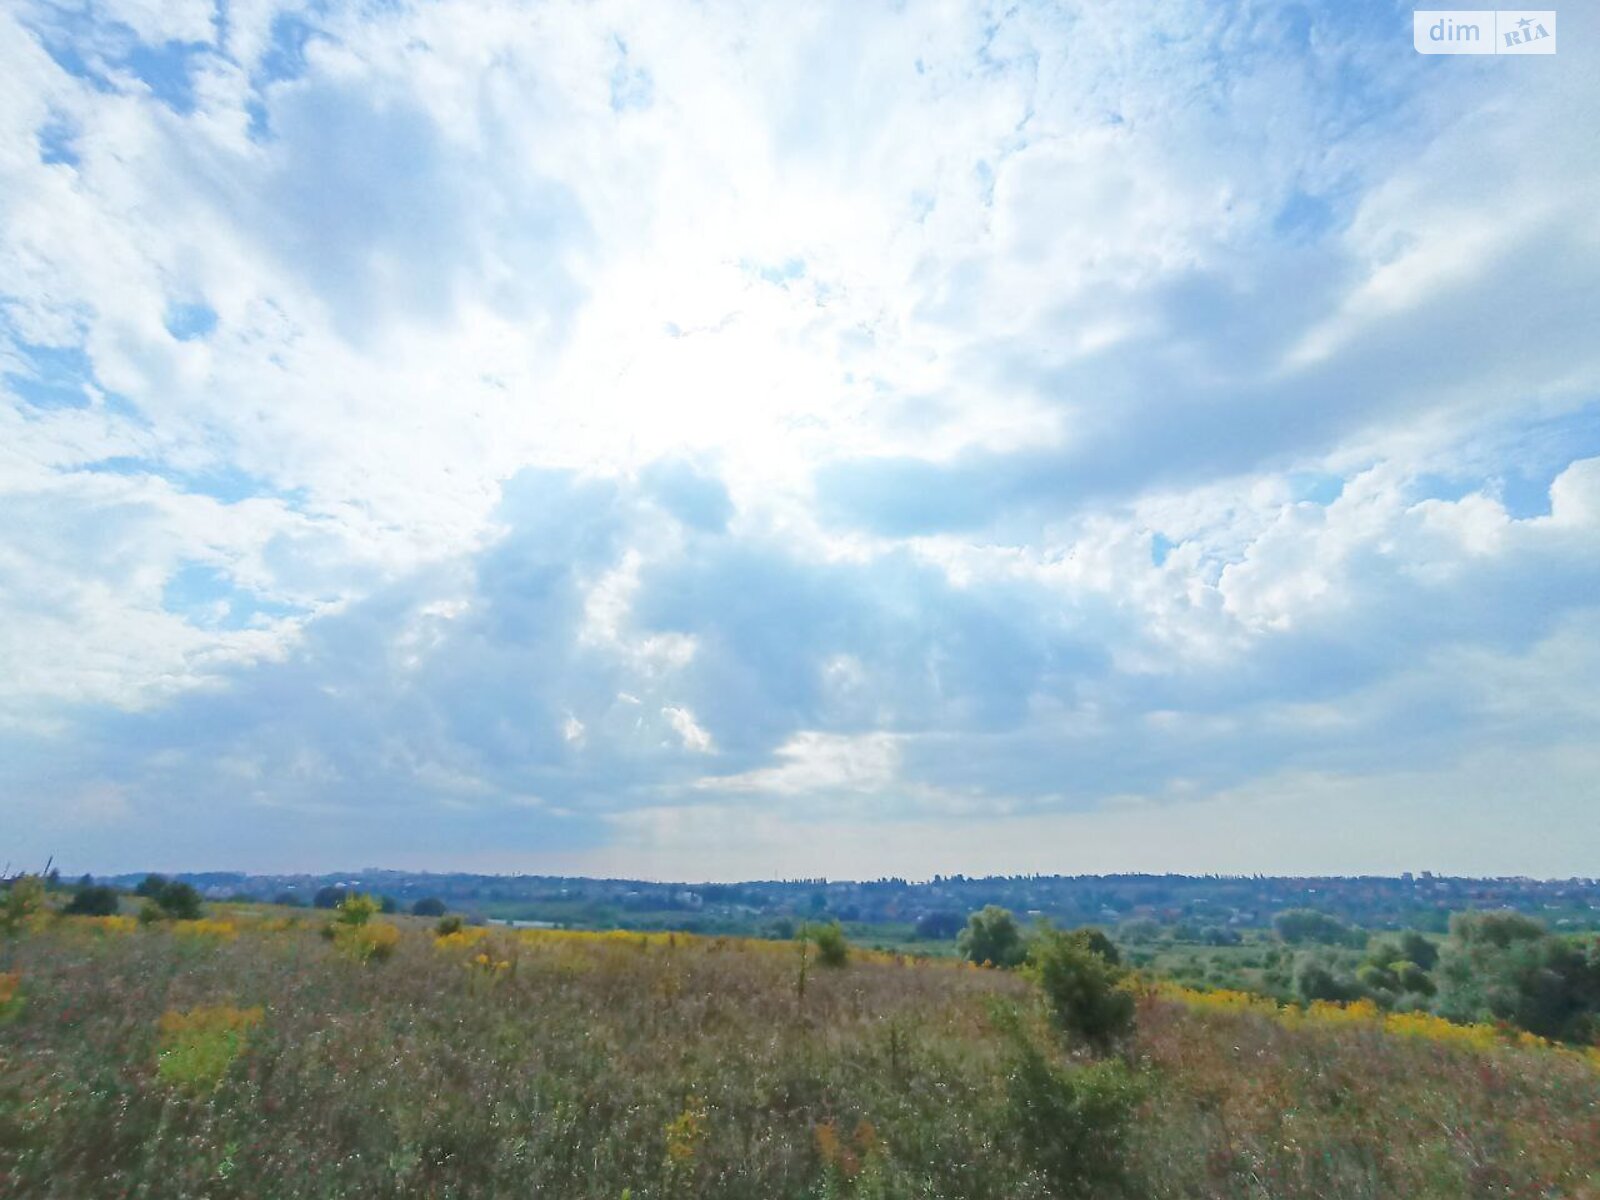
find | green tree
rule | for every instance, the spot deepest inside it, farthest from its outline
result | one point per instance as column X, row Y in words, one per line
column 96, row 900
column 179, row 901
column 1504, row 966
column 1096, row 940
column 1320, row 975
column 1418, row 949
column 357, row 909
column 939, row 926
column 1080, row 984
column 1299, row 925
column 1139, row 932
column 992, row 936
column 168, row 899
column 24, row 898
column 1071, row 1123
column 430, row 906
column 329, row 897
column 833, row 949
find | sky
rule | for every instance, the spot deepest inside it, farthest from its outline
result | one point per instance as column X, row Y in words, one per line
column 734, row 440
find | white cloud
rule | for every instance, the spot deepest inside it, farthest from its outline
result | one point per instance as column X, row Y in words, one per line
column 926, row 411
column 819, row 763
column 688, row 729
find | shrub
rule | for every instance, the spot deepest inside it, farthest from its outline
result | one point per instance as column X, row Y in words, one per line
column 1501, row 930
column 370, row 941
column 1412, row 977
column 1097, row 941
column 168, row 899
column 1071, row 1124
column 1139, row 931
column 448, row 925
column 1317, row 978
column 1298, row 925
column 96, row 900
column 24, row 900
column 357, row 909
column 939, row 926
column 833, row 950
column 328, row 897
column 1505, row 967
column 288, row 900
column 430, row 906
column 992, row 936
column 1081, row 987
column 1418, row 949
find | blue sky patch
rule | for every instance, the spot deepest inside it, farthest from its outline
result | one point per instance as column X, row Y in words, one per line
column 186, row 322
column 58, row 142
column 210, row 598
column 168, row 71
column 58, row 377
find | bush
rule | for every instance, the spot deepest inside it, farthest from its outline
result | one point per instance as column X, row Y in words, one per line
column 1140, row 931
column 357, row 909
column 1097, row 941
column 288, row 900
column 329, row 897
column 1081, row 987
column 168, row 899
column 939, row 926
column 1298, row 925
column 180, row 902
column 1394, row 967
column 1413, row 978
column 1502, row 930
column 1318, row 978
column 1505, row 967
column 24, row 899
column 430, row 906
column 1071, row 1124
column 1418, row 949
column 370, row 941
column 96, row 900
column 448, row 925
column 833, row 949
column 992, row 936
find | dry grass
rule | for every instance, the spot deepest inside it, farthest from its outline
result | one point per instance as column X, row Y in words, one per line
column 594, row 1066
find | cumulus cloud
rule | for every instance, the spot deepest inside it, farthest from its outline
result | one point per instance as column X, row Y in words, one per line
column 600, row 431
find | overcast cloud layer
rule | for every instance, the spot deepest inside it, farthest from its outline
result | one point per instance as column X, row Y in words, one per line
column 751, row 440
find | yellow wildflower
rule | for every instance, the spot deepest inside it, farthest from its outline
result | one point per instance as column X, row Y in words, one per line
column 370, row 942
column 198, row 1046
column 685, row 1132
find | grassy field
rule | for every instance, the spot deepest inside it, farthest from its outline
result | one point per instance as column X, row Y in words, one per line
column 253, row 1057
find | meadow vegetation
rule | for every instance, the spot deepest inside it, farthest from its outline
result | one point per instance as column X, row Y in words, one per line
column 264, row 1052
